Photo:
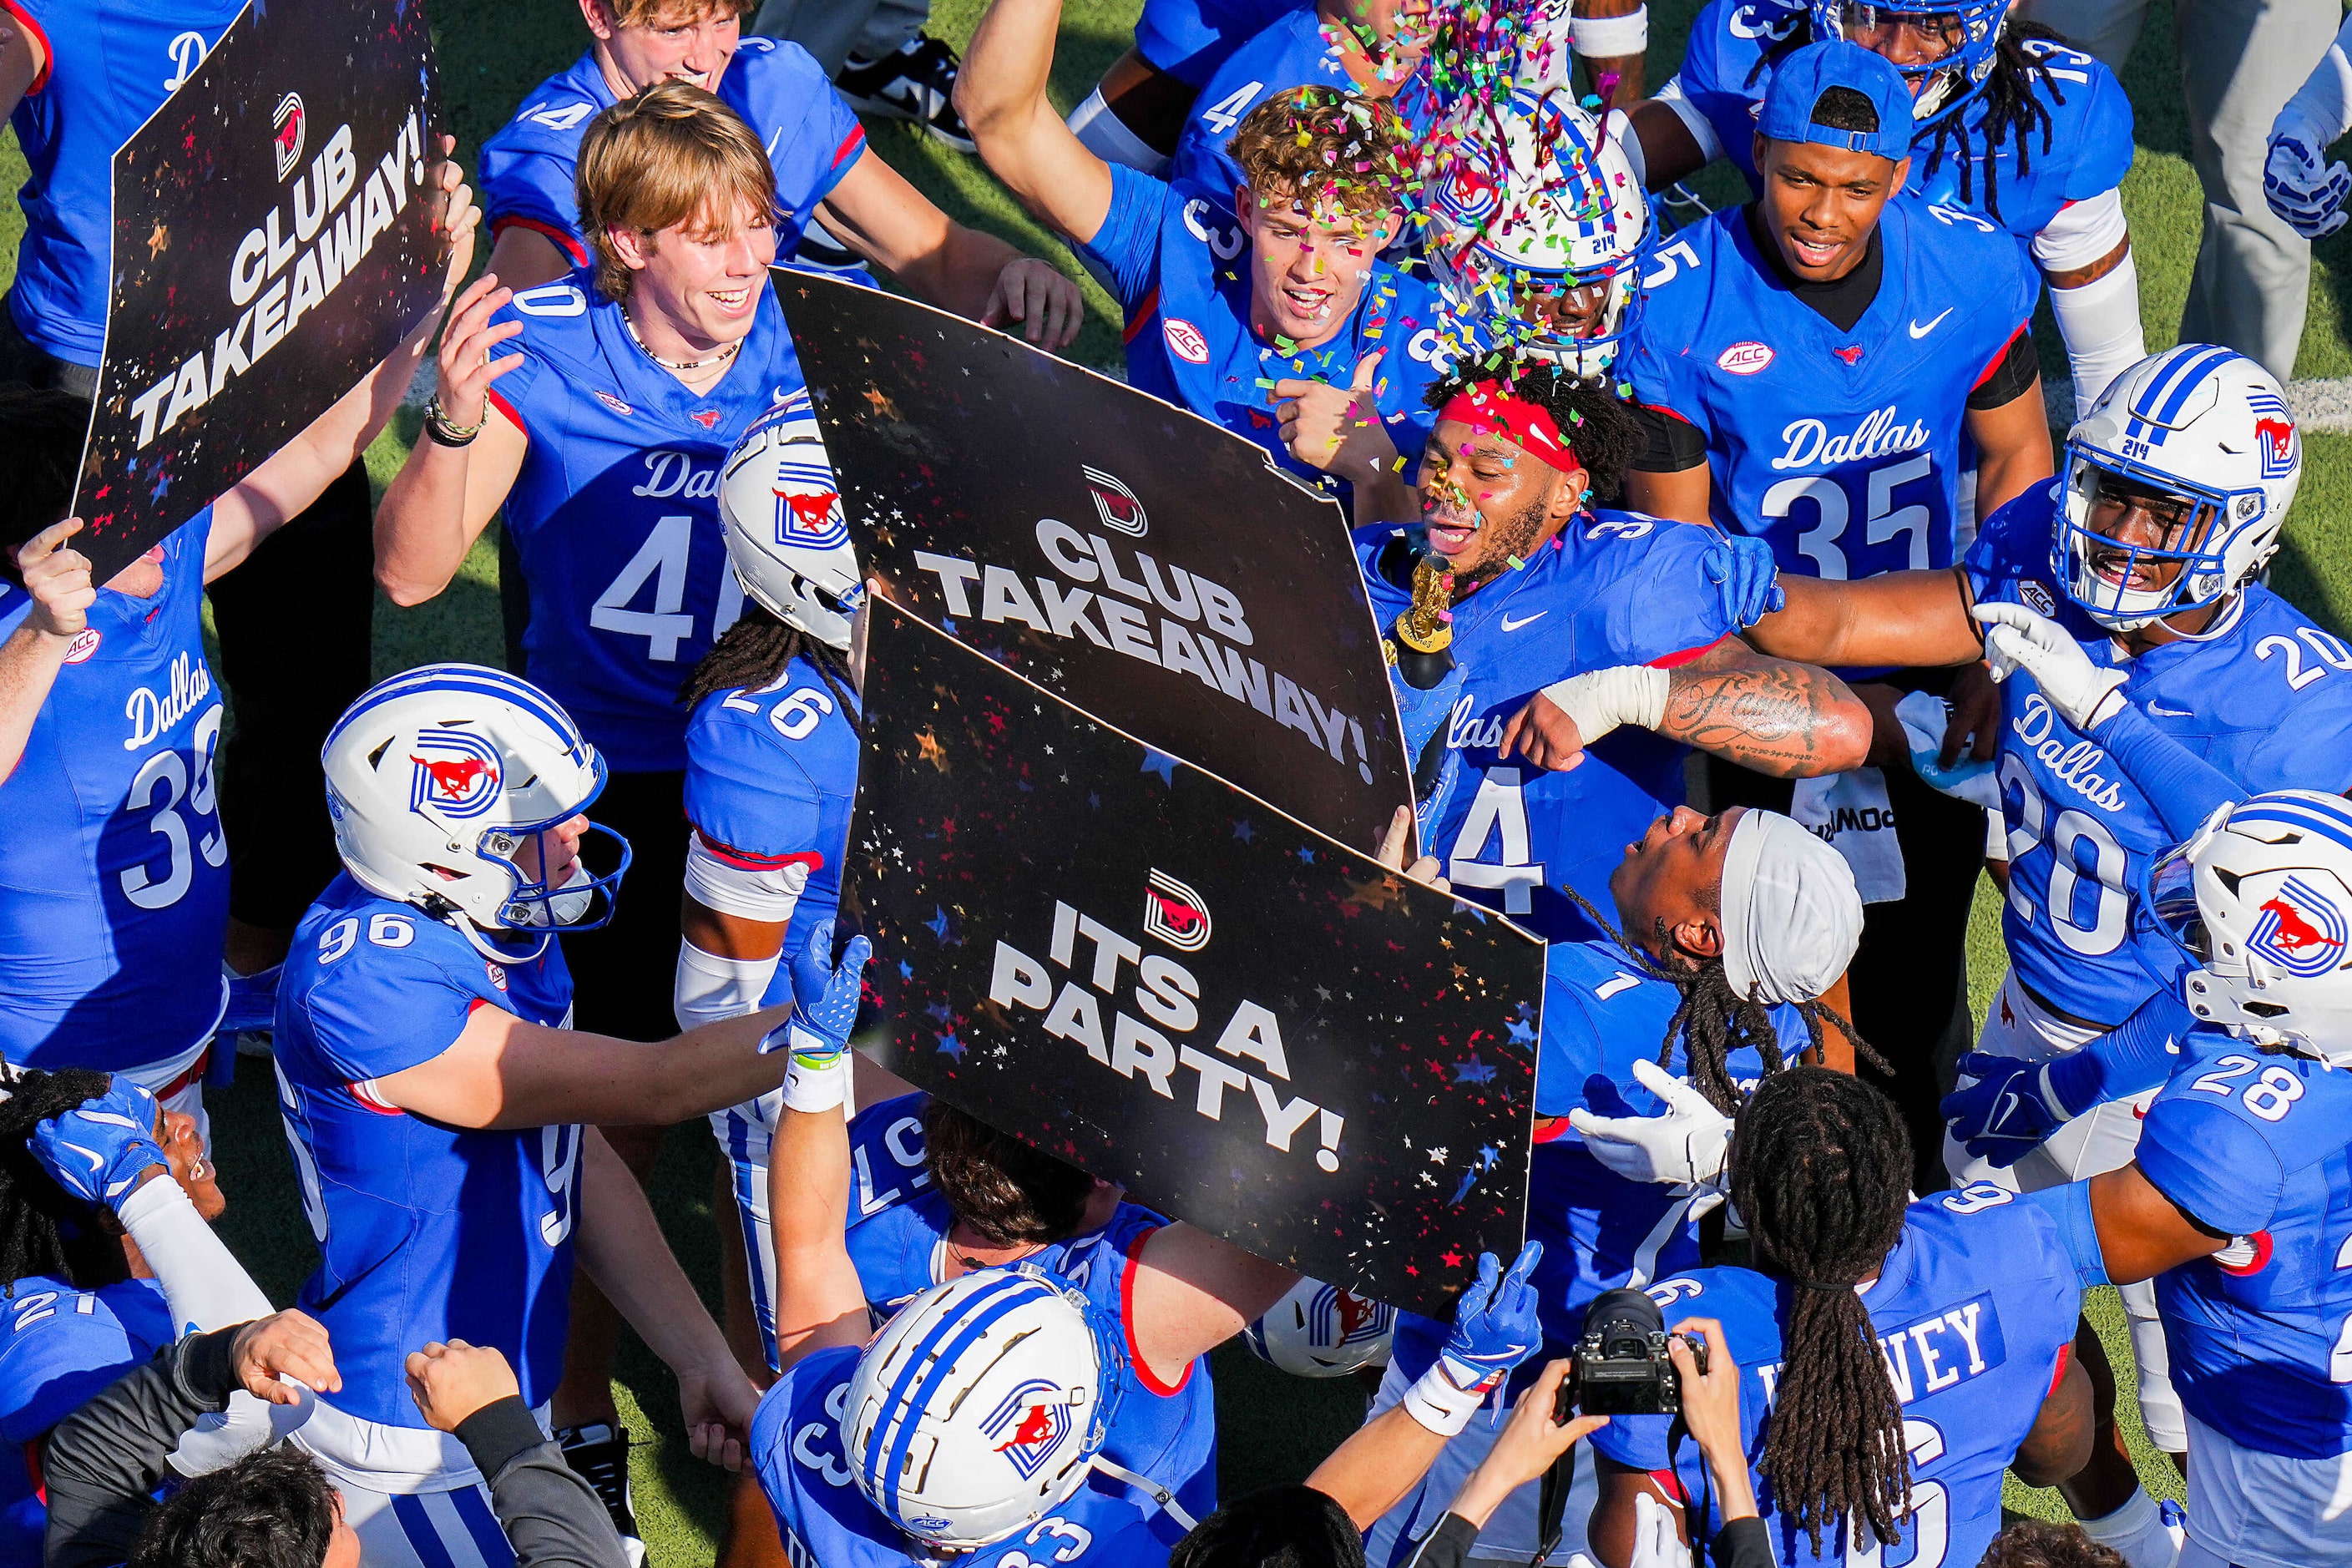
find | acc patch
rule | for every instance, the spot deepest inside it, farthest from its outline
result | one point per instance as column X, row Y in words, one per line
column 1184, row 341
column 2037, row 598
column 1745, row 358
column 85, row 643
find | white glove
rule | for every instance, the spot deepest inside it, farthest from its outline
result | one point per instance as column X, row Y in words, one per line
column 1601, row 700
column 2306, row 195
column 1683, row 1144
column 1657, row 1543
column 2016, row 639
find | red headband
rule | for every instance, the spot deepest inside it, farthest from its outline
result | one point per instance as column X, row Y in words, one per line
column 1490, row 407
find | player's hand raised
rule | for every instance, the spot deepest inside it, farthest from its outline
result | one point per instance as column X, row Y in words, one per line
column 1338, row 428
column 1035, row 293
column 465, row 365
column 275, row 1352
column 58, row 580
column 451, row 1382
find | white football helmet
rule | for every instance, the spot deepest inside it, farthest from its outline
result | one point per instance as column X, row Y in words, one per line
column 438, row 777
column 1530, row 203
column 1952, row 44
column 981, row 1406
column 2208, row 425
column 1321, row 1330
column 2262, row 900
column 787, row 537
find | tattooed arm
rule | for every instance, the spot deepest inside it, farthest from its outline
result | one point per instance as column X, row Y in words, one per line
column 1773, row 715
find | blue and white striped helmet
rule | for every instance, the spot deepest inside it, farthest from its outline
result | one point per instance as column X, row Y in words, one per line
column 2261, row 902
column 787, row 536
column 1945, row 49
column 436, row 780
column 2207, row 427
column 981, row 1406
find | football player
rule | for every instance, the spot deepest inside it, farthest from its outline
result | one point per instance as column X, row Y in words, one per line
column 1728, row 932
column 1282, row 324
column 1539, row 234
column 1542, row 585
column 1052, row 1368
column 433, row 1091
column 114, row 871
column 2008, row 123
column 1896, row 1357
column 2145, row 560
column 107, row 1262
column 1141, row 105
column 823, row 168
column 1821, row 369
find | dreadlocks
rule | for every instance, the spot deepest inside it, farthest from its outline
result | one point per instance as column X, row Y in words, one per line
column 2012, row 111
column 44, row 1229
column 1821, row 1170
column 1603, row 434
column 757, row 650
column 1713, row 1021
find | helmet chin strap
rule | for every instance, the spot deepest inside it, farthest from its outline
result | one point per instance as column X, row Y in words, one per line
column 1159, row 1494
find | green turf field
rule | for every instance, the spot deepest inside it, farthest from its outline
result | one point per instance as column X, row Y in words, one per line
column 1272, row 1427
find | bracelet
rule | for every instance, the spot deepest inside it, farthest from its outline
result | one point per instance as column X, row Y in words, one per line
column 445, row 431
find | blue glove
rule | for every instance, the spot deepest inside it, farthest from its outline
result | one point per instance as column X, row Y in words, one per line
column 1745, row 577
column 97, row 1150
column 2010, row 1112
column 1495, row 1324
column 824, row 999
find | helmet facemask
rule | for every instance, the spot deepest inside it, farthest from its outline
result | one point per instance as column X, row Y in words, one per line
column 2125, row 585
column 1945, row 52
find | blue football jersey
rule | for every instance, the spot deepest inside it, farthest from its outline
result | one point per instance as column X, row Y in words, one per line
column 1190, row 39
column 1975, row 1313
column 616, row 511
column 110, row 65
column 1176, row 262
column 425, row 1231
column 2259, row 1145
column 59, row 1346
column 812, row 137
column 770, row 776
column 826, row 1522
column 2258, row 697
column 1614, row 587
column 2089, row 145
column 1841, row 448
column 898, row 1240
column 1294, row 50
column 113, row 868
column 1600, row 1232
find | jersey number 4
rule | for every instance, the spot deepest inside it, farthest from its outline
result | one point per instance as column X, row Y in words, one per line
column 662, row 559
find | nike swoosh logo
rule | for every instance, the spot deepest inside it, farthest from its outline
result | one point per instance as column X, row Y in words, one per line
column 2162, row 711
column 1511, row 626
column 1918, row 332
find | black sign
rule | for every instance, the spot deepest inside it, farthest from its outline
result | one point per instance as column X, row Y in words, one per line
column 272, row 243
column 1131, row 964
column 1123, row 554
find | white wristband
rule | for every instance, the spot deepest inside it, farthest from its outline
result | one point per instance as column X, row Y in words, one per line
column 1610, row 36
column 1601, row 700
column 1439, row 1404
column 817, row 1086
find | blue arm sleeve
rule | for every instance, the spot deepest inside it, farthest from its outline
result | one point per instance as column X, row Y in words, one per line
column 2068, row 1209
column 2136, row 1054
column 2215, row 1167
column 2185, row 789
column 2103, row 151
column 1128, row 243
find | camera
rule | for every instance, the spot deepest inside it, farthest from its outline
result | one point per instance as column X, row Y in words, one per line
column 1622, row 1365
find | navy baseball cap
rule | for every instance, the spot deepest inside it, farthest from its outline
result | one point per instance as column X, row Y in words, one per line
column 1798, row 83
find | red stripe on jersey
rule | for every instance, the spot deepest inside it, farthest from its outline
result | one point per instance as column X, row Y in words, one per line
column 2064, row 1352
column 1552, row 1128
column 48, row 51
column 856, row 139
column 744, row 860
column 1142, row 314
column 1127, row 1321
column 1672, row 1485
column 1994, row 363
column 370, row 1099
column 1662, row 408
column 507, row 409
column 1677, row 660
column 562, row 240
